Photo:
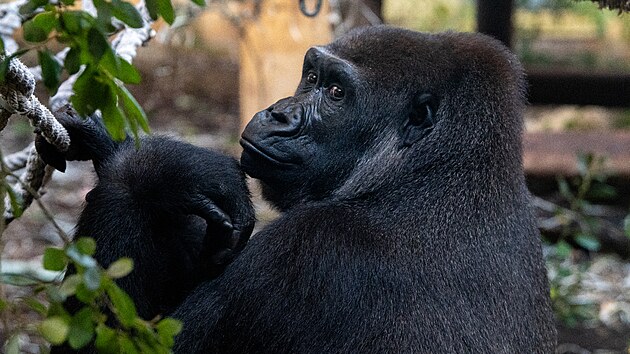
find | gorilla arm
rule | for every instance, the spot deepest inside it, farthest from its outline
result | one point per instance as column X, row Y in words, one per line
column 181, row 212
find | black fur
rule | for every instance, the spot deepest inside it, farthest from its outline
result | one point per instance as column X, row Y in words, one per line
column 406, row 224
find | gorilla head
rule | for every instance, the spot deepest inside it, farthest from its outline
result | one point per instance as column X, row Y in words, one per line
column 383, row 105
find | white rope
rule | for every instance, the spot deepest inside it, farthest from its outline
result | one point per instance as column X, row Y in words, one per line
column 16, row 96
column 17, row 160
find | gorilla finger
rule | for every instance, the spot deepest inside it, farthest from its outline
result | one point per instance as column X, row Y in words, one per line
column 209, row 211
column 49, row 154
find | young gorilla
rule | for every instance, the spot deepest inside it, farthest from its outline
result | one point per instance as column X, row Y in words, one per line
column 406, row 225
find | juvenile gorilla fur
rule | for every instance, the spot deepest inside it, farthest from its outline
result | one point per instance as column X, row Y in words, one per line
column 405, row 227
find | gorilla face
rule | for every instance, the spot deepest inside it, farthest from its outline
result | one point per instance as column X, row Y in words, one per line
column 305, row 146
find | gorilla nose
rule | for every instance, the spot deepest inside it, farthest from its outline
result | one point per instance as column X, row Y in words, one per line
column 286, row 111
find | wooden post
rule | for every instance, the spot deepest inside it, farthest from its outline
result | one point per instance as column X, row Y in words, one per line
column 272, row 49
column 494, row 17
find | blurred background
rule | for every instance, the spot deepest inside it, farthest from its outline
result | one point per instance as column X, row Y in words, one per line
column 205, row 76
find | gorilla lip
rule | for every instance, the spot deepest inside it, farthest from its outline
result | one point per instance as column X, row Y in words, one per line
column 249, row 147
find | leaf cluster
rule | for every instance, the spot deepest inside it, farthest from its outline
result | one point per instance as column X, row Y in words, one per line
column 106, row 317
column 589, row 184
column 102, row 74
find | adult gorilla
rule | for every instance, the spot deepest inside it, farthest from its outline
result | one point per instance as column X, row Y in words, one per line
column 406, row 225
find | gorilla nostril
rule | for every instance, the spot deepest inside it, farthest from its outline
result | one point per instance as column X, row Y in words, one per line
column 280, row 117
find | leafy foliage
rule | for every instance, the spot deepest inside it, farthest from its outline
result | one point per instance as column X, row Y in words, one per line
column 107, row 317
column 565, row 282
column 581, row 228
column 102, row 73
column 590, row 184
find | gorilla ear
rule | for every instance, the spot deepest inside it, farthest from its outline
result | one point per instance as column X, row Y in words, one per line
column 421, row 119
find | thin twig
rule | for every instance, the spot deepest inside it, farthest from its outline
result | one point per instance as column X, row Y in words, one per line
column 37, row 197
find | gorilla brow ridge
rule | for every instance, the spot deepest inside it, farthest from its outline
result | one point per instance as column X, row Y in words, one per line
column 325, row 50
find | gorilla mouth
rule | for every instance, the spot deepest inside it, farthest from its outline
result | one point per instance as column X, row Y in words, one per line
column 251, row 148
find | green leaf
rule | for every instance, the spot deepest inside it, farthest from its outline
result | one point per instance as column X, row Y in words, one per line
column 73, row 22
column 584, row 163
column 72, row 62
column 110, row 63
column 127, row 73
column 97, row 44
column 81, row 328
column 126, row 345
column 4, row 67
column 106, row 340
column 120, row 268
column 55, row 259
column 13, row 345
column 588, row 242
column 165, row 7
column 67, row 2
column 36, row 305
column 201, row 3
column 57, row 309
column 51, row 71
column 152, row 7
column 31, row 6
column 167, row 329
column 33, row 33
column 54, row 295
column 84, row 294
column 92, row 278
column 563, row 249
column 626, row 225
column 17, row 279
column 90, row 93
column 2, row 46
column 124, row 307
column 54, row 329
column 3, row 305
column 114, row 120
column 69, row 285
column 15, row 200
column 564, row 189
column 602, row 191
column 127, row 13
column 132, row 108
column 86, row 245
column 46, row 21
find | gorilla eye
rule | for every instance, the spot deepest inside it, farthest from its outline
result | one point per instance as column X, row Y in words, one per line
column 311, row 78
column 336, row 92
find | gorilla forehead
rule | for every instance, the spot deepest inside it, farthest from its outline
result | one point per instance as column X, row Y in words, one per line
column 401, row 57
column 393, row 53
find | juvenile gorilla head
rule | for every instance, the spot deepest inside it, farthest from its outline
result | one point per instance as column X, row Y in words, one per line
column 380, row 106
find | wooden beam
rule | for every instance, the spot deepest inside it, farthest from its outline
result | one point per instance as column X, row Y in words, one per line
column 549, row 155
column 556, row 153
column 578, row 88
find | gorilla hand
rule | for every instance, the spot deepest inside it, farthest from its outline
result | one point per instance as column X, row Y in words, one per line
column 227, row 233
column 89, row 140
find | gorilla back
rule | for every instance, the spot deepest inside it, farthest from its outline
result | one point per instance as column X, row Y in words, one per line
column 406, row 224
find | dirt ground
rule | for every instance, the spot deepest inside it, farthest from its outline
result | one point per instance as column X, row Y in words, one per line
column 194, row 95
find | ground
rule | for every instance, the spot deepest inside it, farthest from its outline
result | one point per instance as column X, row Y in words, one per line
column 194, row 95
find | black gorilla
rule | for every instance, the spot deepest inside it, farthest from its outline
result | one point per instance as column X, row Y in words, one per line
column 406, row 226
